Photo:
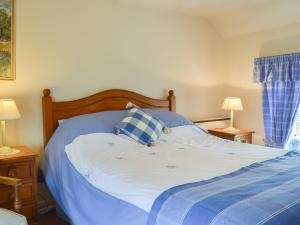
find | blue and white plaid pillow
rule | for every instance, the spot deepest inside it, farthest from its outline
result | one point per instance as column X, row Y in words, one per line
column 141, row 126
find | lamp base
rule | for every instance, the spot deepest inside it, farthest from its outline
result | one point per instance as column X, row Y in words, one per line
column 5, row 150
column 231, row 129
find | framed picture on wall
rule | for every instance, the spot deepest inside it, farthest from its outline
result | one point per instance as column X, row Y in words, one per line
column 7, row 40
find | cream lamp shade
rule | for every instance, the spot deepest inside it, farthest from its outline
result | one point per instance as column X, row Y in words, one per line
column 8, row 111
column 232, row 103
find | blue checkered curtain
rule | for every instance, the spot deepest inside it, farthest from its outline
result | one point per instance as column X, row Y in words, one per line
column 280, row 78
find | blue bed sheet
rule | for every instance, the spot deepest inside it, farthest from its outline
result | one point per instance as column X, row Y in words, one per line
column 82, row 203
column 266, row 193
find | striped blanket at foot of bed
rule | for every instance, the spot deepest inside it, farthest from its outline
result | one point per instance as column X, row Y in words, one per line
column 266, row 193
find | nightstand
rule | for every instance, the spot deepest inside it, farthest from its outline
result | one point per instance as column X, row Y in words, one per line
column 22, row 166
column 243, row 136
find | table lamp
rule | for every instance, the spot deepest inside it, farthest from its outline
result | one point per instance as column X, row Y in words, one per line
column 232, row 103
column 8, row 111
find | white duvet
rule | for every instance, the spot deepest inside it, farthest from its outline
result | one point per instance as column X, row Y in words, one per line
column 137, row 174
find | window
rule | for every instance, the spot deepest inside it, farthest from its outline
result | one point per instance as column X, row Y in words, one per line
column 294, row 142
column 297, row 125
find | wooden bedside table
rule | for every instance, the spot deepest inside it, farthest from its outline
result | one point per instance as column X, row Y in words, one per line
column 22, row 166
column 243, row 136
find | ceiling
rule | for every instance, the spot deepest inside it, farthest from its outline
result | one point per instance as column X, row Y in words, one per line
column 233, row 17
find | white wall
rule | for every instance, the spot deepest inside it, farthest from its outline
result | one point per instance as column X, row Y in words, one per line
column 240, row 54
column 77, row 48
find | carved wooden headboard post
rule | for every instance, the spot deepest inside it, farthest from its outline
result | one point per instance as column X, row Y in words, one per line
column 114, row 99
column 47, row 115
column 172, row 101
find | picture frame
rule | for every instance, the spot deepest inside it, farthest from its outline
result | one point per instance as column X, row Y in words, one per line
column 7, row 40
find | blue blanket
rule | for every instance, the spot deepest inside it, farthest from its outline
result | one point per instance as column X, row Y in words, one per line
column 264, row 193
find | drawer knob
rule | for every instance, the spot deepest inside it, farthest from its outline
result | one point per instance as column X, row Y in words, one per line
column 12, row 172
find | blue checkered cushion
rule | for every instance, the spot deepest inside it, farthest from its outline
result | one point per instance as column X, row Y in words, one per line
column 141, row 126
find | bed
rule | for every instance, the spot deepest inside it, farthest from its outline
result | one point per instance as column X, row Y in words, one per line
column 188, row 178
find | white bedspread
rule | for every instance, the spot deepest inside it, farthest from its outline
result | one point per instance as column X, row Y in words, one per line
column 137, row 174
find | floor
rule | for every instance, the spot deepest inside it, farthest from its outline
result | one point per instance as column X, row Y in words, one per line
column 50, row 218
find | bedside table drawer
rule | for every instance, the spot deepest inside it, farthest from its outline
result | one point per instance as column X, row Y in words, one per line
column 18, row 170
column 7, row 194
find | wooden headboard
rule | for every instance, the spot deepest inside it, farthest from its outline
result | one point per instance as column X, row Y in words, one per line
column 114, row 99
